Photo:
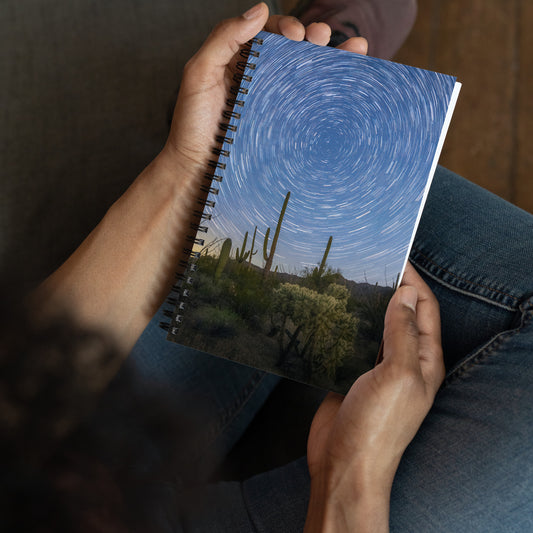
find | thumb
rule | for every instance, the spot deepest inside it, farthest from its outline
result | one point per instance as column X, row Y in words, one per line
column 226, row 38
column 401, row 333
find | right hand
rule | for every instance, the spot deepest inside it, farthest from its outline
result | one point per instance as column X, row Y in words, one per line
column 356, row 442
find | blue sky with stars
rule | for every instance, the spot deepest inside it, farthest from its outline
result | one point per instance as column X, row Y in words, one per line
column 352, row 138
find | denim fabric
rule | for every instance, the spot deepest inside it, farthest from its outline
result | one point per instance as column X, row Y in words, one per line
column 224, row 394
column 89, row 86
column 470, row 467
column 475, row 251
column 274, row 501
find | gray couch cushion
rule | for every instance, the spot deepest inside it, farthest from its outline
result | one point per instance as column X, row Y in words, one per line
column 86, row 88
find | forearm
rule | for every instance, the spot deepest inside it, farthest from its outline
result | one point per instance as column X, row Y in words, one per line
column 117, row 278
column 355, row 506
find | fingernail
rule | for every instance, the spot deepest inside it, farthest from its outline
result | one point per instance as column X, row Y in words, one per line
column 253, row 11
column 409, row 297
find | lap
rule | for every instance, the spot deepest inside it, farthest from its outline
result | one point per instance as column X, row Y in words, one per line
column 469, row 467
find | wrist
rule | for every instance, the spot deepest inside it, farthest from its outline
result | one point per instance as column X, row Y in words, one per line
column 348, row 501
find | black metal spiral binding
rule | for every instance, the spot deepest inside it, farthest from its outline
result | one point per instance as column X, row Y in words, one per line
column 238, row 78
column 222, row 139
column 238, row 90
column 248, row 52
column 181, row 289
column 234, row 102
column 231, row 114
column 243, row 65
column 227, row 127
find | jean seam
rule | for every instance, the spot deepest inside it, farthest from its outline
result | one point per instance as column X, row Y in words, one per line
column 247, row 508
column 484, row 351
column 466, row 280
column 243, row 398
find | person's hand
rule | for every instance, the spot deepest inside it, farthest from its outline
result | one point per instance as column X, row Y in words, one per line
column 119, row 276
column 208, row 77
column 356, row 442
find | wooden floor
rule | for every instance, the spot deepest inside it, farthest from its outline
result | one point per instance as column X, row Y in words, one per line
column 488, row 45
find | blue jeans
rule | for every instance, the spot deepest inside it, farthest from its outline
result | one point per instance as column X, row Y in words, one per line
column 470, row 467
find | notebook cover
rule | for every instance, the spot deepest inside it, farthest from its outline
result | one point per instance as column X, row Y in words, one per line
column 308, row 231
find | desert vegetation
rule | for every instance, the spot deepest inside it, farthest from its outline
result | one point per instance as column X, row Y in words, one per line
column 313, row 326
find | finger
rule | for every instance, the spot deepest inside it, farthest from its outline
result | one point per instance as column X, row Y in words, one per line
column 427, row 305
column 272, row 24
column 224, row 41
column 401, row 333
column 357, row 45
column 412, row 277
column 318, row 33
column 428, row 319
column 292, row 28
column 289, row 27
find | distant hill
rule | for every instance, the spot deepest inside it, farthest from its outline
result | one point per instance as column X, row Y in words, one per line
column 357, row 290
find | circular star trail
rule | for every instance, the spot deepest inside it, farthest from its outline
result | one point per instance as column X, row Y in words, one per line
column 352, row 138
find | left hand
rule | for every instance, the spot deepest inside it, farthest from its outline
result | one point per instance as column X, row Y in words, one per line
column 208, row 77
column 119, row 276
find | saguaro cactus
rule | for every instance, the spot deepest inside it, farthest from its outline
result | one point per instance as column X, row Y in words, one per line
column 223, row 258
column 322, row 267
column 269, row 257
column 252, row 251
column 241, row 255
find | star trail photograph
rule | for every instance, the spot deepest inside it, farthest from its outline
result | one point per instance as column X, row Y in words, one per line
column 324, row 171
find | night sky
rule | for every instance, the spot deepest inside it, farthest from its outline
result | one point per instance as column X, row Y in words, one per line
column 352, row 138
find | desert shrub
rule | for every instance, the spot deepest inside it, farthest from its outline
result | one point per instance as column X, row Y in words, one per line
column 207, row 264
column 371, row 310
column 206, row 289
column 252, row 295
column 220, row 292
column 215, row 322
column 313, row 326
column 319, row 280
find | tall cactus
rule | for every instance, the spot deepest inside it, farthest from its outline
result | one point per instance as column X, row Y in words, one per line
column 241, row 255
column 269, row 257
column 223, row 258
column 322, row 267
column 252, row 251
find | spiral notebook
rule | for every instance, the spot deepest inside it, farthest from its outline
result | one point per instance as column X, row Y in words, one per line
column 324, row 163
